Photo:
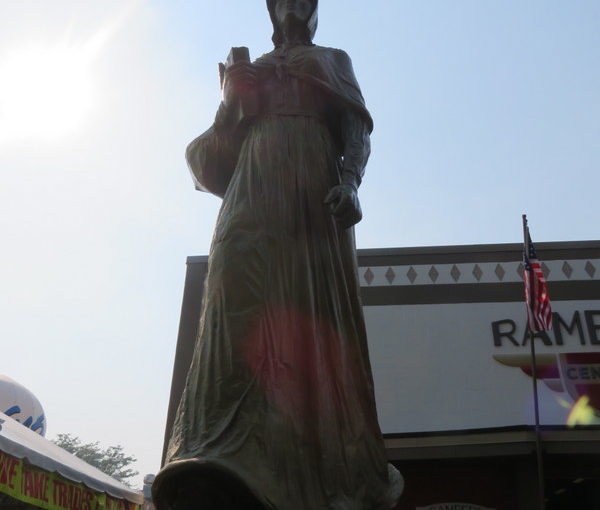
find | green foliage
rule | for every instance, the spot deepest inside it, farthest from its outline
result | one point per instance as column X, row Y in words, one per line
column 111, row 460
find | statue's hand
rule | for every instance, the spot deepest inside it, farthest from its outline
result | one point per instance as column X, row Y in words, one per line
column 344, row 205
column 239, row 79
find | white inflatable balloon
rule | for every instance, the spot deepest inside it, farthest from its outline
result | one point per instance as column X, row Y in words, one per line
column 20, row 404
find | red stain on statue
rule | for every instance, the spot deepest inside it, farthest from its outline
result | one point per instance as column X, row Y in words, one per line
column 299, row 361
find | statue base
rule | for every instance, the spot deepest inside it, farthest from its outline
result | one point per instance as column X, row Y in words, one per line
column 197, row 486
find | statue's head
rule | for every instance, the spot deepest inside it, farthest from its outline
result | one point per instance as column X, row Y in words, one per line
column 296, row 11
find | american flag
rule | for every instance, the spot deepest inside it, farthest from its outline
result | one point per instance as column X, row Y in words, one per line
column 537, row 300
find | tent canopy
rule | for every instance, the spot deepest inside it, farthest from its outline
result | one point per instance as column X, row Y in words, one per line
column 20, row 442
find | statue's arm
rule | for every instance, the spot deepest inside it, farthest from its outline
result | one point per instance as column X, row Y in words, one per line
column 343, row 198
column 355, row 125
column 356, row 146
column 212, row 157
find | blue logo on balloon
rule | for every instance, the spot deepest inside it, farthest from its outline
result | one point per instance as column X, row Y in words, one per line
column 39, row 425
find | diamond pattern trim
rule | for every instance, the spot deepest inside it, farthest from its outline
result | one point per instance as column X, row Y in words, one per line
column 475, row 272
column 545, row 270
column 433, row 274
column 590, row 269
column 500, row 272
column 390, row 275
column 455, row 273
column 412, row 274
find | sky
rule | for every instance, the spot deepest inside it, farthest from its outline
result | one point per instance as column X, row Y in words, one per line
column 483, row 110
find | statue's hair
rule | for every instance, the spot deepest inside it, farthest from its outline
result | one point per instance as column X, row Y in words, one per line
column 310, row 29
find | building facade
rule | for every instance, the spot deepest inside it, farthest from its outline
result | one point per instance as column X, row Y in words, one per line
column 452, row 369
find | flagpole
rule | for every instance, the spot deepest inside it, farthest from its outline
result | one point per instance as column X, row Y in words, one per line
column 538, row 440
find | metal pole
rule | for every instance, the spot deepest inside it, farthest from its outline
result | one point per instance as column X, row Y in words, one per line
column 538, row 439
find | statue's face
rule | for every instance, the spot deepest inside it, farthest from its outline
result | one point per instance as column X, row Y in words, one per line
column 299, row 9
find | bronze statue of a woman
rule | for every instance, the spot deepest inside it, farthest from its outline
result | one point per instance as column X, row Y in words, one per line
column 278, row 412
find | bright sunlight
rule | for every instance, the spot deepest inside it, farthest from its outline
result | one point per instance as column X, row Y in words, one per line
column 47, row 90
column 44, row 92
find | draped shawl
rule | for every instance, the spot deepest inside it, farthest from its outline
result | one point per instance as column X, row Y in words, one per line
column 212, row 157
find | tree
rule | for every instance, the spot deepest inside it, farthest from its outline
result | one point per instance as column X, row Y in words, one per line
column 111, row 460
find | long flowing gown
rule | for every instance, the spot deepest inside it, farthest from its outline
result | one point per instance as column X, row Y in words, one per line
column 280, row 391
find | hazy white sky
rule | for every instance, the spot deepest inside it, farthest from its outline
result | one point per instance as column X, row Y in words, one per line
column 483, row 110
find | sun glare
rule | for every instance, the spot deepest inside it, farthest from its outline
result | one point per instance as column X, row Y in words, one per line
column 44, row 92
column 47, row 90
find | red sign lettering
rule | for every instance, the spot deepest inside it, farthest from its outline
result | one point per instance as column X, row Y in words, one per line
column 35, row 485
column 8, row 470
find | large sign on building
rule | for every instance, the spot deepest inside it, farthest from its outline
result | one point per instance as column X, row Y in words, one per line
column 448, row 342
